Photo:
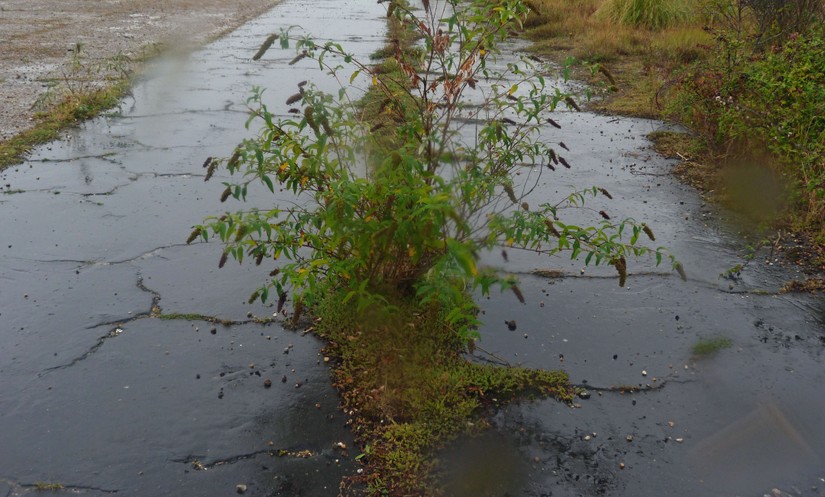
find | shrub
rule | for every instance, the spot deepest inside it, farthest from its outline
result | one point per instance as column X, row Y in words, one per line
column 649, row 14
column 406, row 213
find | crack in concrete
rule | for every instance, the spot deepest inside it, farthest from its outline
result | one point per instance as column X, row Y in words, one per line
column 195, row 460
column 154, row 252
column 155, row 312
column 631, row 389
column 105, row 156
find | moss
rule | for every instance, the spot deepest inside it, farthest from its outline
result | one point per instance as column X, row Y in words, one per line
column 709, row 346
column 43, row 486
column 409, row 390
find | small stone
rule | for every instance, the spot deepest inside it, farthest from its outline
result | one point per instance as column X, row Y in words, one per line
column 326, row 359
column 267, row 383
column 341, row 445
column 629, row 438
column 621, row 465
column 584, row 394
column 214, row 331
column 317, row 405
column 283, row 379
column 241, row 488
column 511, row 324
column 644, row 372
column 671, row 424
column 587, row 438
column 680, row 440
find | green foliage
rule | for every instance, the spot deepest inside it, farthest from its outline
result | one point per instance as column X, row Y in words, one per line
column 772, row 103
column 411, row 221
column 650, row 14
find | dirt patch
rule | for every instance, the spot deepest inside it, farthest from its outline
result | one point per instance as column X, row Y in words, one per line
column 40, row 40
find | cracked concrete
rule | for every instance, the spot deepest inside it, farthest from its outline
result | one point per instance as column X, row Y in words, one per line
column 130, row 410
column 121, row 347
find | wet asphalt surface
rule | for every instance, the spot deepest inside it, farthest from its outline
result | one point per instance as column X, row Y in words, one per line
column 100, row 397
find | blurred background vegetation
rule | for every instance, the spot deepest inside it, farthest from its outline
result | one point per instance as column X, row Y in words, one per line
column 746, row 77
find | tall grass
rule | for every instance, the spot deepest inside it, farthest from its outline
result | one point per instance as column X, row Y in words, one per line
column 649, row 14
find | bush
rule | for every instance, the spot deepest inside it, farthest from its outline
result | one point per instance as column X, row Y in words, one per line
column 407, row 213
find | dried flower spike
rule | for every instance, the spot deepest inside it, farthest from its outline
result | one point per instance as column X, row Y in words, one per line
column 224, row 257
column 553, row 123
column 226, row 193
column 517, row 291
column 265, row 46
column 510, row 193
column 293, row 98
column 681, row 270
column 195, row 233
column 606, row 193
column 648, row 232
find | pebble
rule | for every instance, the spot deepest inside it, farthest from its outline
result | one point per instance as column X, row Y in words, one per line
column 241, row 488
column 629, row 438
column 680, row 440
column 584, row 394
column 621, row 465
column 214, row 331
column 511, row 324
column 644, row 372
column 267, row 383
column 587, row 438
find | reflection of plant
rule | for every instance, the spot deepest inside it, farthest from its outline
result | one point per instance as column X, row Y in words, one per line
column 411, row 218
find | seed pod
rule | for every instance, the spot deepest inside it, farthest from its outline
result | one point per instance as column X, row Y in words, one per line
column 606, row 193
column 504, row 256
column 207, row 162
column 604, row 214
column 265, row 46
column 233, row 161
column 510, row 193
column 553, row 123
column 294, row 110
column 259, row 258
column 506, row 120
column 308, row 115
column 224, row 257
column 550, row 166
column 681, row 270
column 472, row 82
column 325, row 125
column 572, row 103
column 254, row 296
column 512, row 98
column 391, row 9
column 293, row 98
column 552, row 229
column 195, row 233
column 281, row 302
column 376, row 127
column 525, row 206
column 298, row 58
column 517, row 291
column 564, row 162
column 552, row 154
column 648, row 232
column 226, row 193
column 239, row 234
column 274, row 272
column 562, row 145
column 621, row 266
column 210, row 171
column 297, row 311
column 302, row 84
column 607, row 74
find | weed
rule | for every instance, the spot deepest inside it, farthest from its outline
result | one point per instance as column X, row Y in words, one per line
column 43, row 486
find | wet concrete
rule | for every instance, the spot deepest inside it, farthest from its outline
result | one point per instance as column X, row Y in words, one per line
column 100, row 394
column 742, row 421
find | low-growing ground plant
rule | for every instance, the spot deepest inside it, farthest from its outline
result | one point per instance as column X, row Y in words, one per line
column 383, row 215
